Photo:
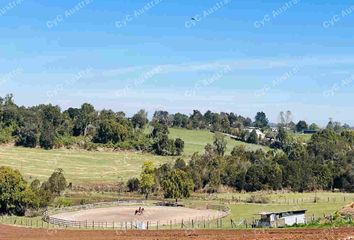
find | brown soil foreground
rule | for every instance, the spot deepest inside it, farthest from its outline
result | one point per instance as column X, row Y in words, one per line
column 15, row 233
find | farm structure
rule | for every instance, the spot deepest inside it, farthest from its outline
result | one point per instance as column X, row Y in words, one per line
column 281, row 219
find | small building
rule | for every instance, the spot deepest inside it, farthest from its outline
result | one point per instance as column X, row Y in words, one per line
column 258, row 131
column 281, row 219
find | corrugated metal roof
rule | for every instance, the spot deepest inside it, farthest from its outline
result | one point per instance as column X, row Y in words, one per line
column 290, row 211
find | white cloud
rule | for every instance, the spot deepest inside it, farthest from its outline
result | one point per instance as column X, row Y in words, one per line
column 239, row 64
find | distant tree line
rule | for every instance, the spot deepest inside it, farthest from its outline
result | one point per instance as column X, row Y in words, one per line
column 325, row 163
column 244, row 128
column 47, row 126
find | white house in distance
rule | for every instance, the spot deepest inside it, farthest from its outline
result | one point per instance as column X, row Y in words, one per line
column 281, row 219
column 259, row 133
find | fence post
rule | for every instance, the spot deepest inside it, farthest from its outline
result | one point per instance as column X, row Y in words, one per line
column 182, row 224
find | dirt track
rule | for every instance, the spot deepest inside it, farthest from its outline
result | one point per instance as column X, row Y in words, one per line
column 123, row 214
column 15, row 233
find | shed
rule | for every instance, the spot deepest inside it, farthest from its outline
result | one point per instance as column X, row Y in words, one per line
column 281, row 219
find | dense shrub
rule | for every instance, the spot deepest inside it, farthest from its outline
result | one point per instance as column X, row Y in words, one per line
column 15, row 194
column 62, row 202
column 133, row 184
column 27, row 137
column 56, row 182
column 47, row 139
column 6, row 134
column 258, row 198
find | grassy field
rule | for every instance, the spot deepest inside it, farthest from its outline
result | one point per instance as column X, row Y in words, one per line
column 83, row 167
column 195, row 141
column 301, row 137
column 327, row 203
column 79, row 166
column 291, row 196
column 250, row 211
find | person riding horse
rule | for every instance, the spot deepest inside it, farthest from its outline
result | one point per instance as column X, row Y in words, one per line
column 139, row 211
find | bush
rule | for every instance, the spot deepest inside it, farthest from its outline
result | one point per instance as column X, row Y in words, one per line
column 62, row 202
column 6, row 134
column 47, row 140
column 27, row 137
column 133, row 185
column 15, row 194
column 179, row 145
column 257, row 198
column 57, row 182
column 70, row 141
column 84, row 201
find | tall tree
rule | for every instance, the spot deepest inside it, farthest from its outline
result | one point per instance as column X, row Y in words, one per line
column 57, row 182
column 178, row 184
column 220, row 143
column 140, row 119
column 147, row 178
column 261, row 120
column 301, row 126
column 285, row 118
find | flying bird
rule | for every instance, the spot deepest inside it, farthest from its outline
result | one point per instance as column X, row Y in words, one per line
column 193, row 19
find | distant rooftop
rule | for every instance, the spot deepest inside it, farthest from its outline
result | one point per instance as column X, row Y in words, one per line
column 290, row 211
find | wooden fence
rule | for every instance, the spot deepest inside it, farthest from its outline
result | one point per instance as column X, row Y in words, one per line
column 184, row 224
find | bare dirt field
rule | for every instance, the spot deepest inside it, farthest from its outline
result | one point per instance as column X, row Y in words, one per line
column 15, row 233
column 127, row 214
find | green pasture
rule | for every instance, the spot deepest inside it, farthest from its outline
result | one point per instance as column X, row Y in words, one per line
column 326, row 203
column 279, row 197
column 302, row 137
column 80, row 167
column 195, row 141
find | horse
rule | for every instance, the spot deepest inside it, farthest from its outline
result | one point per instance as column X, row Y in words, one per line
column 140, row 211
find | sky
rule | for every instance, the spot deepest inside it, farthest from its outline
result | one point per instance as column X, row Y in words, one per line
column 230, row 55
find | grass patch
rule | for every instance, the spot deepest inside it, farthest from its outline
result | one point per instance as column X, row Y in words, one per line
column 195, row 141
column 80, row 167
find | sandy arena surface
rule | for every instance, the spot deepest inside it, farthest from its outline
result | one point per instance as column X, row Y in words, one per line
column 151, row 214
column 15, row 233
